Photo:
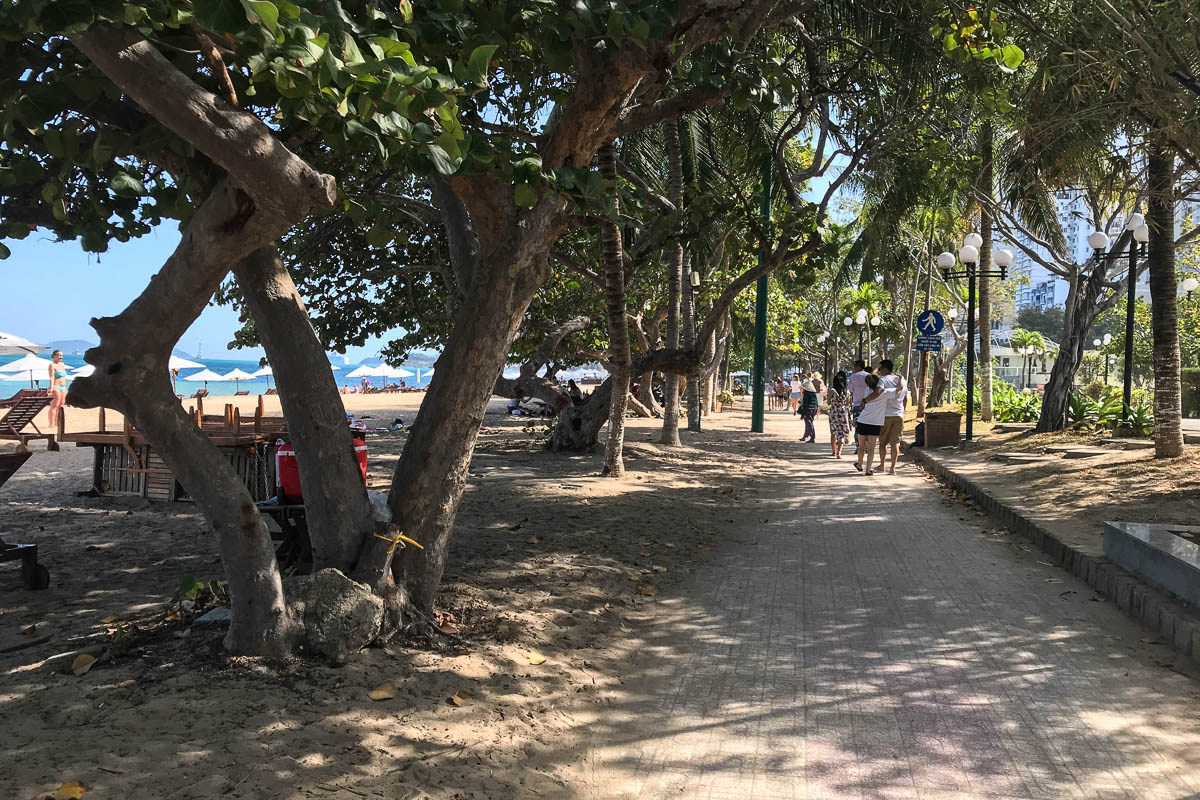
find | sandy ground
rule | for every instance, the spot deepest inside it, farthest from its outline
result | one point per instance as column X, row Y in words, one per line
column 1076, row 496
column 549, row 561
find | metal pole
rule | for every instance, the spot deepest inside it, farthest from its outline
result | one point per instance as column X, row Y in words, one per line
column 970, row 350
column 760, row 313
column 1127, row 396
column 860, row 343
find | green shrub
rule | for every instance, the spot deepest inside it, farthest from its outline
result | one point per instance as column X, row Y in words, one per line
column 1019, row 408
column 1190, row 380
column 1094, row 390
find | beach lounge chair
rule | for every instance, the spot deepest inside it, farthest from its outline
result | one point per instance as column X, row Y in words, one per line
column 21, row 395
column 272, row 392
column 33, row 574
column 200, row 393
column 20, row 417
column 242, row 393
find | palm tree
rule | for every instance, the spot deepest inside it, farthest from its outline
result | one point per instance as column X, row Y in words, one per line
column 1027, row 343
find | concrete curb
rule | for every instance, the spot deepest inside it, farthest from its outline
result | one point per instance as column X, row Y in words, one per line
column 1157, row 610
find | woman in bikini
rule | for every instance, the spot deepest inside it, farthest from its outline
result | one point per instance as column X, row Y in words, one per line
column 58, row 386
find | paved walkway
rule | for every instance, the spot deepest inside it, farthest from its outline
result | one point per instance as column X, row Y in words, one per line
column 871, row 641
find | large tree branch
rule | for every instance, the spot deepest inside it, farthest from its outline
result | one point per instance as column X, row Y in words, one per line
column 236, row 140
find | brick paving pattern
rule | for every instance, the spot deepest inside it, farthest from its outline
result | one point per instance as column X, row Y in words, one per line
column 869, row 642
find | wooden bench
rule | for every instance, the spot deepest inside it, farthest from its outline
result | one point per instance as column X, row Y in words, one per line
column 20, row 417
column 33, row 574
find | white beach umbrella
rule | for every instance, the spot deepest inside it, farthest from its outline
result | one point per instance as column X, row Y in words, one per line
column 388, row 371
column 363, row 371
column 11, row 345
column 205, row 375
column 28, row 365
column 177, row 363
column 262, row 373
column 84, row 371
column 237, row 376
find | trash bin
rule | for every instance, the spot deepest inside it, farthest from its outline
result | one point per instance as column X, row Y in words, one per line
column 942, row 428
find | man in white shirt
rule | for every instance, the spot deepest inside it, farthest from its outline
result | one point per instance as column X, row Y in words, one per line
column 858, row 390
column 893, row 421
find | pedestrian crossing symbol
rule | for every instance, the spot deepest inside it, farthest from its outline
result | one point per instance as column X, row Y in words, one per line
column 930, row 323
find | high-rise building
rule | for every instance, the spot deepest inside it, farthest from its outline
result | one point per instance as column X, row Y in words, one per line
column 1045, row 289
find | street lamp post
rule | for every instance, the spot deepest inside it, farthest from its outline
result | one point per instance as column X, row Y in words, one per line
column 823, row 340
column 1098, row 241
column 1099, row 343
column 969, row 255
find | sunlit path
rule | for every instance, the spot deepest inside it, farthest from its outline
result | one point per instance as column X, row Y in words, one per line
column 869, row 640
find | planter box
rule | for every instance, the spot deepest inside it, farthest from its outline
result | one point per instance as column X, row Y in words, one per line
column 942, row 429
column 1158, row 554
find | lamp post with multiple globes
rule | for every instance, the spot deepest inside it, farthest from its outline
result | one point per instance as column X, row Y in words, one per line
column 968, row 254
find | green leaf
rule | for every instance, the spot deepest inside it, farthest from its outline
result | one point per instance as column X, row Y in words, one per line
column 222, row 16
column 525, row 195
column 477, row 64
column 59, row 209
column 4, row 252
column 68, row 16
column 443, row 162
column 263, row 12
column 125, row 185
column 1013, row 56
column 380, row 235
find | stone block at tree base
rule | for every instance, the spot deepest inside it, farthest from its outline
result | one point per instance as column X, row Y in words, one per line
column 340, row 616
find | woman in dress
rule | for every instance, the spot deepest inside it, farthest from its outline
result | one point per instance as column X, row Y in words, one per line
column 58, row 385
column 838, row 404
column 809, row 405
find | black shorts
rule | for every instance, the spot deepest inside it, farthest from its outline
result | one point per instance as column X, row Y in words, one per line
column 863, row 429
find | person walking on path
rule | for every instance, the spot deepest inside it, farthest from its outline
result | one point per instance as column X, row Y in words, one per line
column 858, row 390
column 797, row 391
column 870, row 422
column 893, row 419
column 838, row 407
column 809, row 406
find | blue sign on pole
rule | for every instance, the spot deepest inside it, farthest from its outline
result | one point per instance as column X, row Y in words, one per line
column 931, row 343
column 930, row 322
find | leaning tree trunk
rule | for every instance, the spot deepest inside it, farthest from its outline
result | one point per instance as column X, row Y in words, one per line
column 1080, row 312
column 986, row 179
column 268, row 191
column 674, row 264
column 1164, row 307
column 618, row 326
column 430, row 476
column 335, row 499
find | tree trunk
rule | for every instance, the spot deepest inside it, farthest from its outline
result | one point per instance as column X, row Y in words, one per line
column 1080, row 312
column 431, row 474
column 939, row 382
column 618, row 327
column 335, row 499
column 986, row 151
column 132, row 376
column 579, row 426
column 692, row 394
column 674, row 264
column 1164, row 308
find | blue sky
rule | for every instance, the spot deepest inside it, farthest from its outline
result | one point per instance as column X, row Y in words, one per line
column 51, row 290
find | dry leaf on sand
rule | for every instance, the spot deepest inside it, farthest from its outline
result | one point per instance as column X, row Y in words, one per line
column 537, row 658
column 111, row 618
column 384, row 691
column 71, row 790
column 647, row 590
column 460, row 698
column 82, row 663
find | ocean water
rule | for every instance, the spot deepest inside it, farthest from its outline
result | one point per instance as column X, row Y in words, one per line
column 219, row 365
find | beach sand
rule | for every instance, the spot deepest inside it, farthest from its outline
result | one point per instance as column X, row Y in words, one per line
column 549, row 560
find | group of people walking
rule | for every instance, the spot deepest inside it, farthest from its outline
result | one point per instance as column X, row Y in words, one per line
column 871, row 404
column 802, row 395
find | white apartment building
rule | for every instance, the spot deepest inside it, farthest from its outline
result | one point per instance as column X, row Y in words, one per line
column 1044, row 289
